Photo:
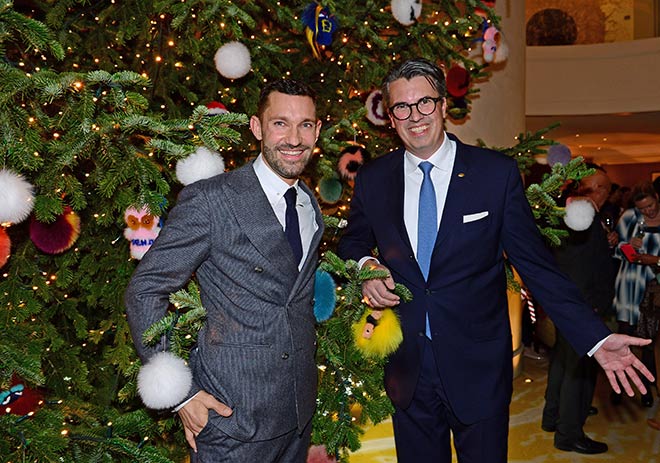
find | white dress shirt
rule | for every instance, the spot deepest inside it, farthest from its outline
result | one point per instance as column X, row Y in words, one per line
column 275, row 187
column 443, row 163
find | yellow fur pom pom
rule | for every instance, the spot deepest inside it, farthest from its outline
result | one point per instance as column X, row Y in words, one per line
column 381, row 339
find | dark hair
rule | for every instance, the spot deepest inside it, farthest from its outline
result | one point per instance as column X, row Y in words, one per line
column 414, row 68
column 286, row 86
column 643, row 190
column 592, row 165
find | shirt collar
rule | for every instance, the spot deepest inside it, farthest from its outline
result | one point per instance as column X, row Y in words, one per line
column 272, row 184
column 442, row 159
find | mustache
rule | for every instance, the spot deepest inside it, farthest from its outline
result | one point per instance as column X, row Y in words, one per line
column 289, row 146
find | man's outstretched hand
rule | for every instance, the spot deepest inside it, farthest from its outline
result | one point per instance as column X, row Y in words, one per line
column 618, row 361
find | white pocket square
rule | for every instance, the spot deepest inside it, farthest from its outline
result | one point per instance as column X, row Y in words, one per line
column 473, row 217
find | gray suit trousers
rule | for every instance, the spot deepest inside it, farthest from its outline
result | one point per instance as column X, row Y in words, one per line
column 217, row 447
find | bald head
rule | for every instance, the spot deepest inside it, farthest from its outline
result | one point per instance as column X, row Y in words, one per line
column 597, row 187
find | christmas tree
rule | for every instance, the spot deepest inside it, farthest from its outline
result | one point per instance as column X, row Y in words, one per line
column 100, row 104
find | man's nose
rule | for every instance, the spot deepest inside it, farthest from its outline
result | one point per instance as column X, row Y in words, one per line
column 293, row 136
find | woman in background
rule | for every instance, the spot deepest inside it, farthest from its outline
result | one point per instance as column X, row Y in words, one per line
column 640, row 227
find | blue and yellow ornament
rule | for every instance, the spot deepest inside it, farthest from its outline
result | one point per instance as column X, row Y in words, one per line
column 319, row 27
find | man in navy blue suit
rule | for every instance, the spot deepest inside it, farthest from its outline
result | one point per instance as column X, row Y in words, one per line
column 442, row 215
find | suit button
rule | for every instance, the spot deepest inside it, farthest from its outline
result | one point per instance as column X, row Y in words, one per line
column 258, row 269
column 285, row 356
column 428, row 292
column 411, row 257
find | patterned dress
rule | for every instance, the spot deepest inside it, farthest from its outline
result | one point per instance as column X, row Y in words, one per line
column 632, row 278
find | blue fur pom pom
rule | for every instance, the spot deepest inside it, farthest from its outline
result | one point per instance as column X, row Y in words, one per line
column 325, row 296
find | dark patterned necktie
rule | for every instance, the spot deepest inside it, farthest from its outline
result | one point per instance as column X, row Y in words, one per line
column 291, row 225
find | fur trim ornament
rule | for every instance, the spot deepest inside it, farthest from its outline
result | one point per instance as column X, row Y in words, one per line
column 58, row 236
column 494, row 48
column 558, row 154
column 215, row 108
column 143, row 228
column 406, row 11
column 232, row 60
column 164, row 381
column 5, row 247
column 201, row 164
column 378, row 333
column 319, row 454
column 330, row 189
column 325, row 295
column 376, row 111
column 350, row 161
column 20, row 400
column 16, row 197
column 579, row 214
column 458, row 81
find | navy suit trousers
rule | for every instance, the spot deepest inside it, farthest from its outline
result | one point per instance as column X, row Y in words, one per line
column 422, row 431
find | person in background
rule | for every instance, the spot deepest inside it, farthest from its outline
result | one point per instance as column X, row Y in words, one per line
column 585, row 257
column 611, row 210
column 648, row 326
column 251, row 238
column 639, row 227
column 442, row 215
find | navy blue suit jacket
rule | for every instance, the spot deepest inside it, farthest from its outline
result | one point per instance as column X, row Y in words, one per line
column 465, row 295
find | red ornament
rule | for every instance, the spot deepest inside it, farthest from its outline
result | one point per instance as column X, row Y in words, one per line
column 5, row 247
column 20, row 400
column 319, row 454
column 58, row 236
column 215, row 107
column 458, row 81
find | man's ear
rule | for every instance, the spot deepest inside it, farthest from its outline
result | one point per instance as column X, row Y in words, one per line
column 255, row 127
column 318, row 129
column 443, row 107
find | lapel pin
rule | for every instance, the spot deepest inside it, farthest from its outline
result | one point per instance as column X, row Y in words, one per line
column 461, row 174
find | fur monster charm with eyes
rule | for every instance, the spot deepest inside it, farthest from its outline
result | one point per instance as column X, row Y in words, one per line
column 143, row 228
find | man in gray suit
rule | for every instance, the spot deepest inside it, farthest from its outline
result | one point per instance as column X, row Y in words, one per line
column 254, row 371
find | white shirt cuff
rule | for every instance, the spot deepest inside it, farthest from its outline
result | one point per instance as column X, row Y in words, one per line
column 597, row 346
column 364, row 259
column 183, row 404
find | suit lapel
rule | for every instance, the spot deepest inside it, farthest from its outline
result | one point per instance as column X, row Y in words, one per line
column 394, row 190
column 460, row 187
column 393, row 199
column 312, row 256
column 257, row 219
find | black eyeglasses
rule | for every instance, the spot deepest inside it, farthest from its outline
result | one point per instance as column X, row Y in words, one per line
column 425, row 106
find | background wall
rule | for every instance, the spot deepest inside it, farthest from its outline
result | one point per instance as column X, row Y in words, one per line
column 629, row 174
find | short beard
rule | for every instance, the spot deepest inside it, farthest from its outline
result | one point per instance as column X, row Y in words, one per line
column 282, row 168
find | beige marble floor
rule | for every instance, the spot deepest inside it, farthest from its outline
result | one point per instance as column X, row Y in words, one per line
column 622, row 427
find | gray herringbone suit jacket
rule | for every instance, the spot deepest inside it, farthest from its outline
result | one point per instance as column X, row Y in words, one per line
column 256, row 351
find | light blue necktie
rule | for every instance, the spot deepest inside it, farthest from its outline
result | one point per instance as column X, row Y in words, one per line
column 427, row 226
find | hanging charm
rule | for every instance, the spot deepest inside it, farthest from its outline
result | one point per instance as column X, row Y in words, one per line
column 319, row 27
column 143, row 228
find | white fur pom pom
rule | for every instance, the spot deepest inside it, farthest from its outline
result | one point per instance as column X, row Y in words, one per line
column 406, row 11
column 203, row 163
column 164, row 381
column 232, row 60
column 16, row 197
column 579, row 214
